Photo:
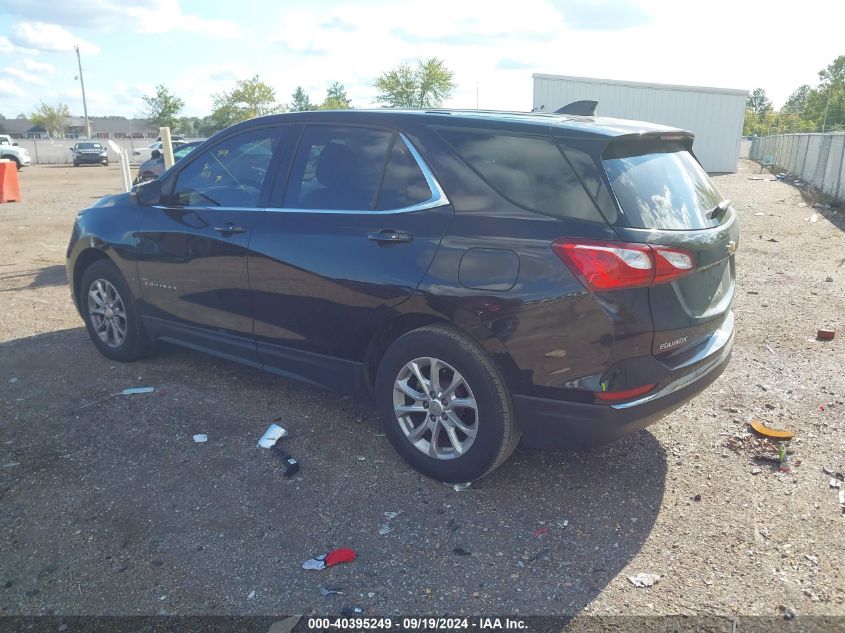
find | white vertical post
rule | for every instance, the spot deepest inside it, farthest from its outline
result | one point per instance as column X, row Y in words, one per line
column 166, row 147
column 124, row 169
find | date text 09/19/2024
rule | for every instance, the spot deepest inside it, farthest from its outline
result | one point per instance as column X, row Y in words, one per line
column 421, row 623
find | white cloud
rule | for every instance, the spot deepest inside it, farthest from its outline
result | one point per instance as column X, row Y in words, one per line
column 49, row 37
column 23, row 75
column 149, row 16
column 7, row 48
column 10, row 89
column 39, row 67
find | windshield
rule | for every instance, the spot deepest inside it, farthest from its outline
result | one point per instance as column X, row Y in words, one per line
column 662, row 187
column 88, row 146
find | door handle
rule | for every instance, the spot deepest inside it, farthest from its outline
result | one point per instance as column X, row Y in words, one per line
column 389, row 236
column 230, row 227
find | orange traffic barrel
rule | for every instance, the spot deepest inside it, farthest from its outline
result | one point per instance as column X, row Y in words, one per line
column 10, row 188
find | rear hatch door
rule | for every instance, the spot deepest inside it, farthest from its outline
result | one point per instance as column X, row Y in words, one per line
column 666, row 198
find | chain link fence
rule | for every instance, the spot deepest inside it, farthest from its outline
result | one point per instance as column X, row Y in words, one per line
column 817, row 159
column 57, row 151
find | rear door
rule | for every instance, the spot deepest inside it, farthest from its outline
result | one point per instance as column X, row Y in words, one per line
column 194, row 244
column 665, row 197
column 350, row 237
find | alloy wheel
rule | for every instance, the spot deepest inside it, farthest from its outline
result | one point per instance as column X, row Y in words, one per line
column 107, row 312
column 435, row 408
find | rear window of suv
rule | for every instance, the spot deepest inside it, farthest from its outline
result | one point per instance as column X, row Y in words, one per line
column 661, row 186
column 530, row 171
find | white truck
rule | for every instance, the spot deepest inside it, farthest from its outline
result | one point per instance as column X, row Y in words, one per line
column 10, row 149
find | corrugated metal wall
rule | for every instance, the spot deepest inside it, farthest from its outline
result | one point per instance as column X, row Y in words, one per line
column 818, row 159
column 715, row 117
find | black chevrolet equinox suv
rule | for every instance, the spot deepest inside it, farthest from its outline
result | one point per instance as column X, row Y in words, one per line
column 483, row 277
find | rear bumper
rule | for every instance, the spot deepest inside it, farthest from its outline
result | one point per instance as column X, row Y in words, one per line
column 548, row 423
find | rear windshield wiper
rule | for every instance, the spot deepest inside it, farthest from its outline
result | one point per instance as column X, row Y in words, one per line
column 718, row 211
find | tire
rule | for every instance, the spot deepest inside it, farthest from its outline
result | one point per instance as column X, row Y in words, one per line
column 492, row 421
column 75, row 164
column 101, row 277
column 15, row 160
column 106, row 164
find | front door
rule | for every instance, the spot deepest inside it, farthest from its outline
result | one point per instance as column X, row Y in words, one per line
column 194, row 245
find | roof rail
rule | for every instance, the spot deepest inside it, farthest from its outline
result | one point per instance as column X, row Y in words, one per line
column 579, row 108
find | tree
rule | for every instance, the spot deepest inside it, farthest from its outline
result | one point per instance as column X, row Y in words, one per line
column 163, row 109
column 758, row 102
column 249, row 99
column 826, row 103
column 54, row 119
column 797, row 101
column 336, row 98
column 301, row 102
column 425, row 86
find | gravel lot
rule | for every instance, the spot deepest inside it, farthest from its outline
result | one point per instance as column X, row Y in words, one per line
column 113, row 509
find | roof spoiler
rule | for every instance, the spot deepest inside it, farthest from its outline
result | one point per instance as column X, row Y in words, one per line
column 579, row 108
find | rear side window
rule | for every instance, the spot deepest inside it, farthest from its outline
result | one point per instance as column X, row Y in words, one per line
column 529, row 171
column 404, row 184
column 661, row 187
column 338, row 168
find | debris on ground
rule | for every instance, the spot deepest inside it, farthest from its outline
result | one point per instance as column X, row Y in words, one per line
column 386, row 529
column 273, row 433
column 767, row 431
column 290, row 463
column 813, row 218
column 251, row 595
column 829, row 279
column 129, row 391
column 834, row 483
column 335, row 557
column 285, row 626
column 327, row 592
column 351, row 611
column 644, row 579
column 826, row 334
column 540, row 532
column 460, row 551
column 199, row 438
column 756, row 470
column 461, row 487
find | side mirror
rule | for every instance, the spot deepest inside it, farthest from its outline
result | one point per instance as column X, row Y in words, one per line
column 149, row 194
column 14, row 144
column 155, row 154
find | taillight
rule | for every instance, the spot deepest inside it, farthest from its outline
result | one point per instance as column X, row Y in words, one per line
column 627, row 394
column 603, row 266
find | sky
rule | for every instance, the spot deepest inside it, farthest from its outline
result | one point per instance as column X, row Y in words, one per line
column 198, row 48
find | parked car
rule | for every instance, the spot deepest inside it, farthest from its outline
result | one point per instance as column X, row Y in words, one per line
column 481, row 276
column 154, row 167
column 10, row 150
column 145, row 153
column 89, row 153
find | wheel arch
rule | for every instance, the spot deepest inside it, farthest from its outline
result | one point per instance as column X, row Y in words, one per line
column 404, row 323
column 83, row 261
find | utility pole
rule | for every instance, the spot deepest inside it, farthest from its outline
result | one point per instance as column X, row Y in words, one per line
column 84, row 102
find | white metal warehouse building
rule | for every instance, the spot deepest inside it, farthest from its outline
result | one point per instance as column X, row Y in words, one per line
column 715, row 115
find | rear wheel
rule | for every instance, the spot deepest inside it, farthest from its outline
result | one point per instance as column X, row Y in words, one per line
column 111, row 317
column 444, row 405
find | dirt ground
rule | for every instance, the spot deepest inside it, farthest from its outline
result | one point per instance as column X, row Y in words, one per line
column 113, row 509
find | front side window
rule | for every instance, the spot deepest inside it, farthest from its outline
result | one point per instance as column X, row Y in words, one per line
column 230, row 174
column 338, row 168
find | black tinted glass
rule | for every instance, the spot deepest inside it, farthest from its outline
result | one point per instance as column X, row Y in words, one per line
column 404, row 184
column 230, row 174
column 338, row 168
column 662, row 188
column 529, row 171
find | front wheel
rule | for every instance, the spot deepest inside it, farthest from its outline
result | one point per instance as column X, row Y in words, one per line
column 444, row 405
column 111, row 317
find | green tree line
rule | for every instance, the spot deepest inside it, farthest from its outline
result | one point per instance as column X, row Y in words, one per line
column 425, row 85
column 808, row 109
